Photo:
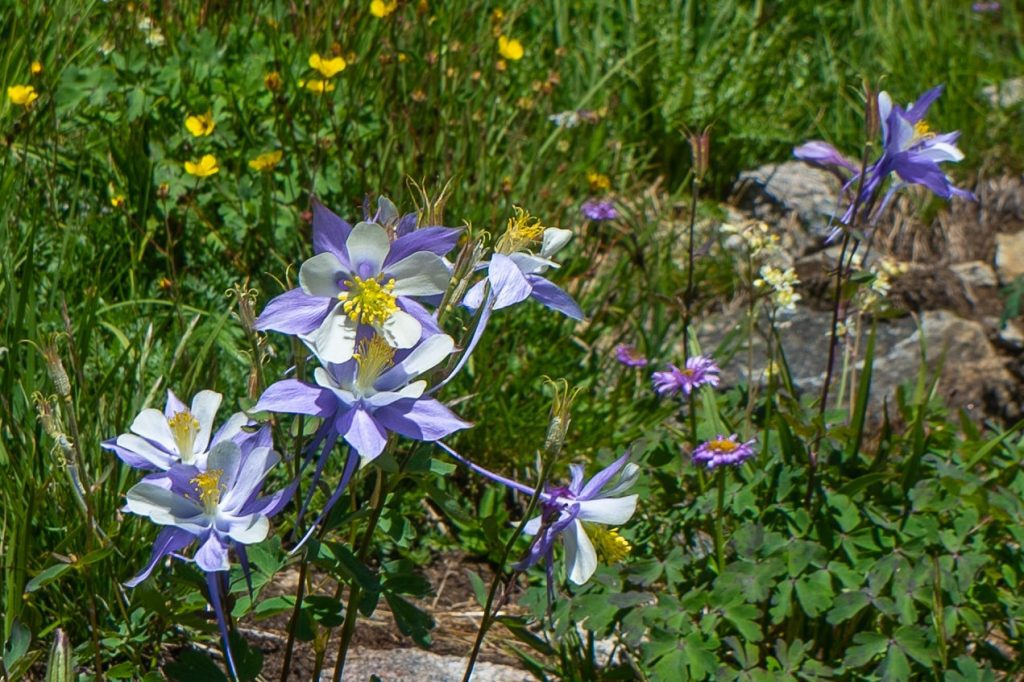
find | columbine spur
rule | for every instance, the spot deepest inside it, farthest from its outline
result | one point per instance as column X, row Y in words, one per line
column 359, row 278
column 180, row 434
column 514, row 273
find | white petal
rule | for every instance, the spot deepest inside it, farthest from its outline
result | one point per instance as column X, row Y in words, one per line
column 319, row 276
column 553, row 241
column 204, row 408
column 421, row 274
column 335, row 339
column 249, row 530
column 160, row 505
column 225, row 456
column 610, row 510
column 580, row 557
column 401, row 330
column 532, row 265
column 532, row 526
column 425, row 356
column 152, row 425
column 368, row 246
column 413, row 390
column 941, row 151
column 884, row 108
column 140, row 446
column 627, row 477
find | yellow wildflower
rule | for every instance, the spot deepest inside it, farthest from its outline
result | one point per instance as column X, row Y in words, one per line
column 202, row 168
column 598, row 181
column 22, row 95
column 510, row 49
column 317, row 86
column 381, row 9
column 200, row 125
column 328, row 68
column 273, row 81
column 266, row 161
column 117, row 201
column 36, row 68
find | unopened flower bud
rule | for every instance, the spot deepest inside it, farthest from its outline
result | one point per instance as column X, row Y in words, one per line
column 700, row 148
column 55, row 368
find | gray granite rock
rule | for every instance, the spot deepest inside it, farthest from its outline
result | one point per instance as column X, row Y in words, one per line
column 399, row 665
column 794, row 189
column 974, row 376
column 1009, row 256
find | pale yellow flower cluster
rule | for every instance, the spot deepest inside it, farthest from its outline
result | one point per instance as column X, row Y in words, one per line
column 783, row 285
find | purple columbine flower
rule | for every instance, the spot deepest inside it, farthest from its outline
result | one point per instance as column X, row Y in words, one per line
column 699, row 370
column 218, row 506
column 723, row 450
column 372, row 394
column 577, row 513
column 983, row 7
column 909, row 149
column 629, row 356
column 180, row 434
column 514, row 273
column 360, row 278
column 599, row 210
column 571, row 511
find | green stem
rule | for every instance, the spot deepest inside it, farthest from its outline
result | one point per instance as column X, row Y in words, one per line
column 719, row 524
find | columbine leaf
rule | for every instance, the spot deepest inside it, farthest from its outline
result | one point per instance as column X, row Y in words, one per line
column 814, row 592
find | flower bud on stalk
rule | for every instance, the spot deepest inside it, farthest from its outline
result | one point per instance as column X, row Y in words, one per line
column 872, row 122
column 700, row 148
column 55, row 368
column 561, row 415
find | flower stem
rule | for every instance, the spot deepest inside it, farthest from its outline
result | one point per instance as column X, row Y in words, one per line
column 719, row 530
column 348, row 628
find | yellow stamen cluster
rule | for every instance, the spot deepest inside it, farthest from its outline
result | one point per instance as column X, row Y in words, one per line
column 722, row 445
column 523, row 229
column 184, row 428
column 208, row 485
column 922, row 130
column 373, row 356
column 610, row 546
column 367, row 301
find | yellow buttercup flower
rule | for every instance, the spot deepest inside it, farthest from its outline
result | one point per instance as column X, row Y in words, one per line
column 36, row 68
column 266, row 161
column 328, row 68
column 381, row 9
column 22, row 95
column 202, row 168
column 117, row 201
column 201, row 125
column 317, row 86
column 510, row 48
column 598, row 181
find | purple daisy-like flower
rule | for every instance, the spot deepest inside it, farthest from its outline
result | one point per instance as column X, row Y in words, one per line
column 599, row 210
column 699, row 370
column 629, row 356
column 723, row 450
column 360, row 278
